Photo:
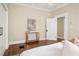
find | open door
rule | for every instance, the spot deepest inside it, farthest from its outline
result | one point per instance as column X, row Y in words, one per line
column 51, row 29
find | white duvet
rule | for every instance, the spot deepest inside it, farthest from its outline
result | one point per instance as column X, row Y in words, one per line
column 48, row 50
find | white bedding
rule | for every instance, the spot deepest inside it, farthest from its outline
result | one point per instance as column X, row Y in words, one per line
column 49, row 50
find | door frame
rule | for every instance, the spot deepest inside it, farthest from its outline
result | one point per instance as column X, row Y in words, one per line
column 6, row 26
column 65, row 24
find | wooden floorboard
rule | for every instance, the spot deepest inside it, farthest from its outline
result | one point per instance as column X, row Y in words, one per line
column 15, row 49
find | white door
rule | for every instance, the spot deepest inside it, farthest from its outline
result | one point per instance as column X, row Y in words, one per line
column 52, row 29
column 1, row 31
column 3, row 24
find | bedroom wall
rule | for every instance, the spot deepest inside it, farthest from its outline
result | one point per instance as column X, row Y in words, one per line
column 18, row 21
column 73, row 18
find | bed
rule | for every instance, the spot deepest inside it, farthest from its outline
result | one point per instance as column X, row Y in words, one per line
column 48, row 50
column 65, row 48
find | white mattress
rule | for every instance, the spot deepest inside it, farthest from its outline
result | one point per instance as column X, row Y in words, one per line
column 49, row 50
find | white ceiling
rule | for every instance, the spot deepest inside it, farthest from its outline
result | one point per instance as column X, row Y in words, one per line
column 45, row 6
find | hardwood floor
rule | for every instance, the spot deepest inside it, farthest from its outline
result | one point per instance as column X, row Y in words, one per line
column 58, row 39
column 18, row 48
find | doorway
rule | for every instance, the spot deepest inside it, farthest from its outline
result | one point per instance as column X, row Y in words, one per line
column 60, row 28
column 57, row 27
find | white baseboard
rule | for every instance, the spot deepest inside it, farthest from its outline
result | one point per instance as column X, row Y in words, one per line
column 21, row 41
column 7, row 47
column 60, row 37
column 16, row 42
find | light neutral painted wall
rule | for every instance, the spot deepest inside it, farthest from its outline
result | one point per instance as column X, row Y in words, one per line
column 18, row 18
column 73, row 18
column 60, row 27
column 18, row 21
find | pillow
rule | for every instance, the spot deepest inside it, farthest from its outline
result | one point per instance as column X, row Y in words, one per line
column 62, row 41
column 76, row 41
column 70, row 49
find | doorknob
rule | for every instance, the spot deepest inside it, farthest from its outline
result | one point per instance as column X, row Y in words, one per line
column 46, row 30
